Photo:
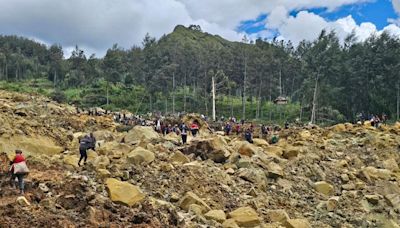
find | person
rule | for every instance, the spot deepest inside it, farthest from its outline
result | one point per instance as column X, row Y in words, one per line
column 274, row 139
column 18, row 170
column 286, row 125
column 84, row 144
column 194, row 128
column 237, row 129
column 183, row 131
column 228, row 128
column 92, row 142
column 248, row 136
column 264, row 131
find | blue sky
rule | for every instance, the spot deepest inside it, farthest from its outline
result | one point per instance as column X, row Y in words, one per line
column 377, row 12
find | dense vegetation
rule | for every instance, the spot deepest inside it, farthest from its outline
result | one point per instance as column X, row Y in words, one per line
column 325, row 78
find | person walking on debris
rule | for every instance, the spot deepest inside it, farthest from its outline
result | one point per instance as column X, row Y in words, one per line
column 18, row 170
column 84, row 144
column 228, row 128
column 248, row 136
column 264, row 131
column 194, row 128
column 183, row 132
column 286, row 125
column 92, row 142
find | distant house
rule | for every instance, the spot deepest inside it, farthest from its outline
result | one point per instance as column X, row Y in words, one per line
column 281, row 100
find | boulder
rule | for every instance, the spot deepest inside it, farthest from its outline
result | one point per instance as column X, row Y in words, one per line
column 123, row 192
column 332, row 203
column 230, row 223
column 372, row 199
column 324, row 188
column 339, row 128
column 33, row 145
column 255, row 176
column 140, row 133
column 372, row 173
column 101, row 162
column 248, row 149
column 21, row 200
column 245, row 217
column 214, row 149
column 71, row 160
column 179, row 157
column 274, row 150
column 305, row 135
column 104, row 135
column 290, row 152
column 393, row 200
column 297, row 223
column 391, row 164
column 260, row 142
column 191, row 198
column 274, row 170
column 141, row 155
column 277, row 216
column 216, row 215
column 103, row 173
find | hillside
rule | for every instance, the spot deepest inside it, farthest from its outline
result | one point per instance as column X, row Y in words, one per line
column 343, row 176
column 173, row 74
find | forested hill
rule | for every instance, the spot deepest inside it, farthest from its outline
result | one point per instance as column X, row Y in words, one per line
column 338, row 79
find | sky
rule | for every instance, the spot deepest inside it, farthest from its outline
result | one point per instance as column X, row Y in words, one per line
column 95, row 25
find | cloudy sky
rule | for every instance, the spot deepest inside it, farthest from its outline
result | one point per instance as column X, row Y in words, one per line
column 96, row 25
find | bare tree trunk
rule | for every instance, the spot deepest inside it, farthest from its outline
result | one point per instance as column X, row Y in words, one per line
column 213, row 98
column 55, row 78
column 398, row 100
column 184, row 94
column 314, row 102
column 259, row 101
column 107, row 98
column 166, row 106
column 231, row 98
column 244, row 90
column 173, row 92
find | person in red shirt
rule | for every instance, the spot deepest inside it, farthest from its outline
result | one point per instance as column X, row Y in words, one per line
column 20, row 176
column 194, row 128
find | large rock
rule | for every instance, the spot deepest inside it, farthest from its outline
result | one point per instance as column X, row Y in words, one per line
column 141, row 155
column 391, row 164
column 104, row 135
column 216, row 215
column 71, row 160
column 297, row 223
column 290, row 152
column 248, row 149
column 212, row 148
column 372, row 173
column 245, row 217
column 30, row 145
column 260, row 142
column 141, row 133
column 274, row 150
column 179, row 157
column 191, row 198
column 274, row 170
column 124, row 192
column 324, row 188
column 101, row 162
column 393, row 200
column 21, row 200
column 277, row 216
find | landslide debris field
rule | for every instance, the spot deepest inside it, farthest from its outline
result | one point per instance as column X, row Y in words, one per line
column 342, row 176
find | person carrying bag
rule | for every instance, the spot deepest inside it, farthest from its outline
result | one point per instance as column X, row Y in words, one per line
column 18, row 170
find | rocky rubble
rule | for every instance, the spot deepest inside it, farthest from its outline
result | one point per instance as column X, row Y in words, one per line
column 343, row 176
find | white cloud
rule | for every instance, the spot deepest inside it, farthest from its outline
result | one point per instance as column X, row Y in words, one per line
column 97, row 24
column 396, row 6
column 307, row 25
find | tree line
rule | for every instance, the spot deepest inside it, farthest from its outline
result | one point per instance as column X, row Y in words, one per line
column 325, row 80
